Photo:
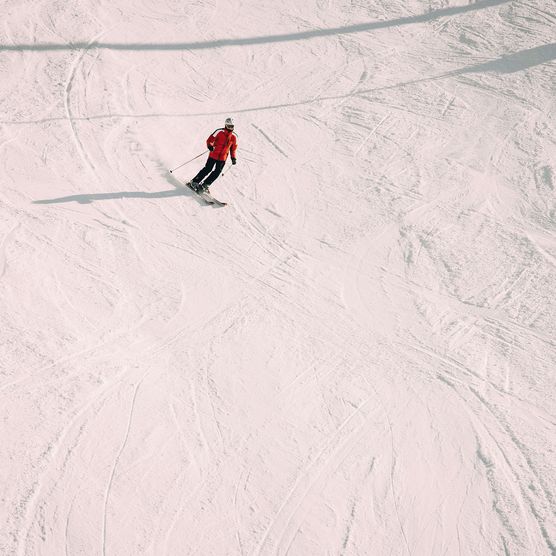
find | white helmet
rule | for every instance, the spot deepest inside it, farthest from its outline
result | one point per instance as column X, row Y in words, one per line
column 229, row 123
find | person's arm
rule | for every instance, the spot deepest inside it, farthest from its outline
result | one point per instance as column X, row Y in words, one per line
column 233, row 150
column 210, row 141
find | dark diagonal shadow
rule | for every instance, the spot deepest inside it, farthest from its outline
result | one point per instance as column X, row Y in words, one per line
column 518, row 61
column 510, row 63
column 87, row 198
column 221, row 43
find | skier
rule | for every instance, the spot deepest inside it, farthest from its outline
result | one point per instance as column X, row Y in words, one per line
column 220, row 143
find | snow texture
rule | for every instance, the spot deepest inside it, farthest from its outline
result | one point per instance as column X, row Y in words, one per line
column 356, row 356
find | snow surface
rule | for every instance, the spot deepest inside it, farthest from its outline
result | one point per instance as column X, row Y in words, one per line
column 356, row 356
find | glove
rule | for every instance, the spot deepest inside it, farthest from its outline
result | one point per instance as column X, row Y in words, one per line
column 210, row 147
column 234, row 160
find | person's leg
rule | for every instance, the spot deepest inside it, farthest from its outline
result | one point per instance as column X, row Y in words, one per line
column 219, row 165
column 205, row 170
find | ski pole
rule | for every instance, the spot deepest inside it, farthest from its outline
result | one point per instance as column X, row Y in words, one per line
column 227, row 170
column 174, row 169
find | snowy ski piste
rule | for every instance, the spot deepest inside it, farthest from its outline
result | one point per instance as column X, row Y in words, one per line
column 356, row 355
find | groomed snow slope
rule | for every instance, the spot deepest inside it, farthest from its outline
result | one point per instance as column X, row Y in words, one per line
column 356, row 356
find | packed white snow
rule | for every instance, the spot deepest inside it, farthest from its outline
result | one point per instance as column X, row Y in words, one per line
column 356, row 356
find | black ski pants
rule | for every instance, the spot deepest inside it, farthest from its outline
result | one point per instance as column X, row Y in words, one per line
column 213, row 167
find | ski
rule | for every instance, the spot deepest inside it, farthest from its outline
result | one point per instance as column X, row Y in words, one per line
column 207, row 197
column 211, row 200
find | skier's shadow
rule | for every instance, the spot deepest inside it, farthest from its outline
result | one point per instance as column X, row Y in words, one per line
column 179, row 190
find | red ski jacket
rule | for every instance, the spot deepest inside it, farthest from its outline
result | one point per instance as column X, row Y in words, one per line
column 224, row 141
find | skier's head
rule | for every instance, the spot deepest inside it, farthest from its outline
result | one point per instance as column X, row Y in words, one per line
column 229, row 124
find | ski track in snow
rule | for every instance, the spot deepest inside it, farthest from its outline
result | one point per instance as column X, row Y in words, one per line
column 355, row 356
column 114, row 466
